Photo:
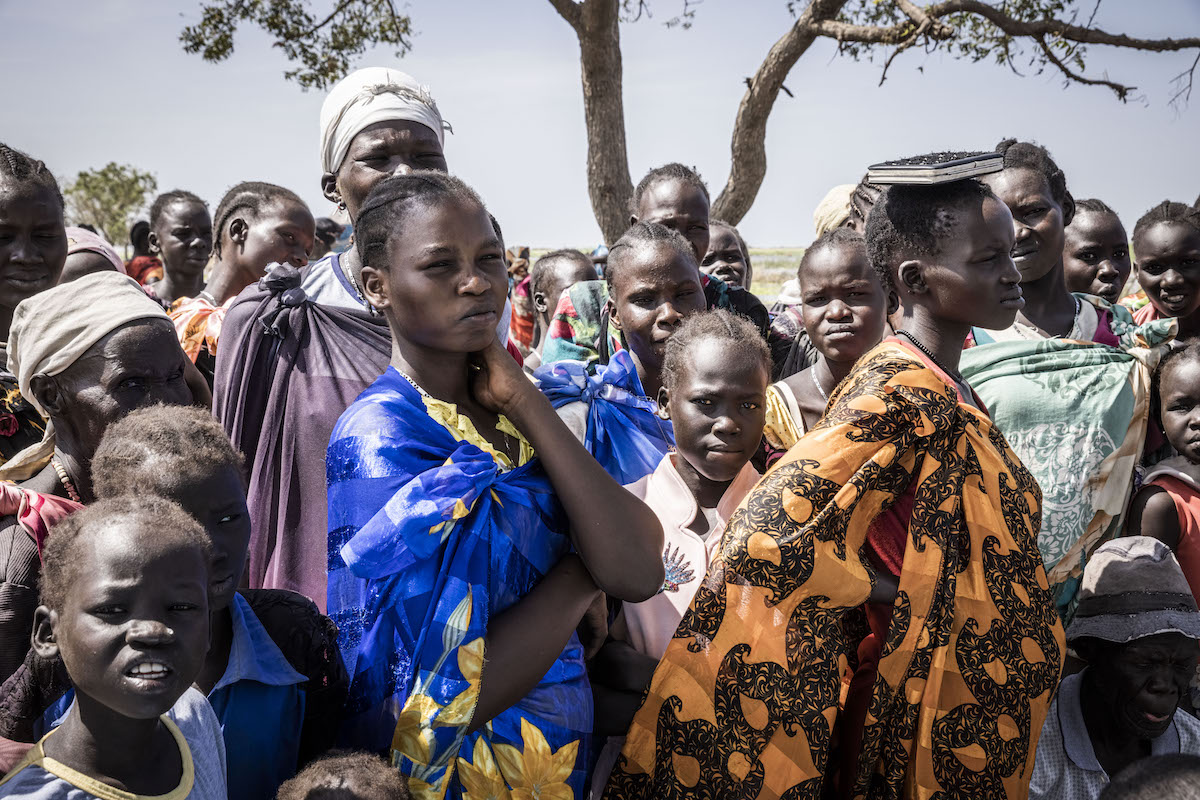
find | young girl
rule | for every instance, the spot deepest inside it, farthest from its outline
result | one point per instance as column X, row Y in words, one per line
column 469, row 530
column 1096, row 252
column 750, row 688
column 653, row 284
column 181, row 235
column 715, row 379
column 1068, row 381
column 257, row 224
column 125, row 605
column 271, row 654
column 1166, row 250
column 1167, row 506
column 33, row 251
column 845, row 312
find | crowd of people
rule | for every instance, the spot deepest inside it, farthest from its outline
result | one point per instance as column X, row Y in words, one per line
column 420, row 516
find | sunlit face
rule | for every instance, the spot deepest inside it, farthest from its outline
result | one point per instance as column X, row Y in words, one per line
column 378, row 151
column 1096, row 255
column 843, row 305
column 1179, row 405
column 133, row 626
column 725, row 258
column 1168, row 267
column 718, row 406
column 280, row 233
column 680, row 206
column 33, row 241
column 182, row 237
column 1037, row 220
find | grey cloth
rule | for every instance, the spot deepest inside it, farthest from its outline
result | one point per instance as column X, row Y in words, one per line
column 1066, row 767
column 40, row 778
column 1133, row 588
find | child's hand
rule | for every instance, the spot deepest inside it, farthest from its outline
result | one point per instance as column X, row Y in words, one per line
column 497, row 382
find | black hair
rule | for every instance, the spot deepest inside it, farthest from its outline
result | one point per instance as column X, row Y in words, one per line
column 863, row 199
column 737, row 235
column 537, row 273
column 139, row 231
column 1093, row 205
column 667, row 172
column 741, row 337
column 169, row 521
column 167, row 198
column 1168, row 212
column 339, row 774
column 159, row 448
column 832, row 238
column 21, row 168
column 641, row 234
column 250, row 195
column 328, row 231
column 393, row 198
column 1030, row 155
column 1172, row 775
column 913, row 220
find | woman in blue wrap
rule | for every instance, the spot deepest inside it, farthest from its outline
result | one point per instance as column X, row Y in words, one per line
column 468, row 527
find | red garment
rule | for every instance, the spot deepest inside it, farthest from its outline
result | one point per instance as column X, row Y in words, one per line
column 1147, row 313
column 35, row 512
column 145, row 268
column 521, row 326
column 1186, row 497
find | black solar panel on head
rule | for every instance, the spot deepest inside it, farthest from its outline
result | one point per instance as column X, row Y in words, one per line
column 935, row 168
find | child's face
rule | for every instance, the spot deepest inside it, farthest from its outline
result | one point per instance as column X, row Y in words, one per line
column 218, row 502
column 379, row 151
column 842, row 303
column 282, row 233
column 1037, row 220
column 183, row 237
column 680, row 206
column 1168, row 267
column 1096, row 255
column 972, row 279
column 561, row 274
column 725, row 259
column 133, row 627
column 718, row 407
column 445, row 278
column 1179, row 401
column 652, row 293
column 33, row 242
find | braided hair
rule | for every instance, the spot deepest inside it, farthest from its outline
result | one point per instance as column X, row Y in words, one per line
column 913, row 220
column 167, row 198
column 251, row 196
column 1094, row 206
column 166, row 519
column 1030, row 155
column 862, row 200
column 639, row 235
column 667, row 172
column 162, row 447
column 740, row 337
column 21, row 169
column 390, row 201
column 1168, row 212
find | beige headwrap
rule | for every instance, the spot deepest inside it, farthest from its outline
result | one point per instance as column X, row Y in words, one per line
column 834, row 209
column 51, row 330
column 370, row 95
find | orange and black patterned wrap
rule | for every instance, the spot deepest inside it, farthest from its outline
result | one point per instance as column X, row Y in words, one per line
column 746, row 701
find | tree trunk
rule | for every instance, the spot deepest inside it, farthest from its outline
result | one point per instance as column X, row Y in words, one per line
column 597, row 25
column 748, row 151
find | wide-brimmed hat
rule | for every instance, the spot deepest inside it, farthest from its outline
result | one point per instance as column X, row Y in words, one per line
column 1133, row 588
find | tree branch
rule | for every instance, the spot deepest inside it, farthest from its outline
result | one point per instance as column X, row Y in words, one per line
column 337, row 10
column 569, row 10
column 1121, row 90
column 1184, row 92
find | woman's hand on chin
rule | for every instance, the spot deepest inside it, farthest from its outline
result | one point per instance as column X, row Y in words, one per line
column 497, row 381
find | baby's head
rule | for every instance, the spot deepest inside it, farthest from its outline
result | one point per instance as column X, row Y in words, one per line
column 125, row 603
column 843, row 303
column 1177, row 394
column 715, row 376
column 346, row 776
column 184, row 455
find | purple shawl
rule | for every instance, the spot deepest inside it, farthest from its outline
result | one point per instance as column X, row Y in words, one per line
column 286, row 370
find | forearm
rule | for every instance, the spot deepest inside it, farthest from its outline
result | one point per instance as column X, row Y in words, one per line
column 618, row 536
column 523, row 642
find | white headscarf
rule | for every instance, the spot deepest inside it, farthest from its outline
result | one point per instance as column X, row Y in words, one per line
column 370, row 95
column 52, row 329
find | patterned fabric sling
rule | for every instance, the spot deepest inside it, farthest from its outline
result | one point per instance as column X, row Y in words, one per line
column 745, row 703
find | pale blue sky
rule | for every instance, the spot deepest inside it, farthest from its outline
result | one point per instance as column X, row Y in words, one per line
column 104, row 80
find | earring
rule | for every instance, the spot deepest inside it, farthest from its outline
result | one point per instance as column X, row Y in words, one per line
column 341, row 205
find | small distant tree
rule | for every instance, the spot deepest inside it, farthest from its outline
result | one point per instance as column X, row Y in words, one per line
column 108, row 198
